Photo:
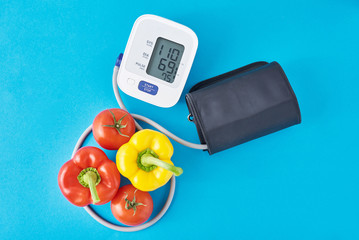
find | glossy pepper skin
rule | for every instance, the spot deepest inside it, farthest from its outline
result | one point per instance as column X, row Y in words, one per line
column 146, row 160
column 89, row 164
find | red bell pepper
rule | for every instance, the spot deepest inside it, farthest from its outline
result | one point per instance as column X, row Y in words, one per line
column 89, row 177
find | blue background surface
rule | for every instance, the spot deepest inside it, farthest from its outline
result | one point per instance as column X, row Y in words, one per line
column 56, row 61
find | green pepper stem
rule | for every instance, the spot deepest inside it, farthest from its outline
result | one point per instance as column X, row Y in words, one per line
column 149, row 160
column 91, row 178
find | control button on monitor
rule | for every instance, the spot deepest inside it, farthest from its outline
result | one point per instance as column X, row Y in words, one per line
column 148, row 87
column 131, row 81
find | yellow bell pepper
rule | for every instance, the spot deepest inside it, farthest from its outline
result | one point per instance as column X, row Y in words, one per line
column 146, row 160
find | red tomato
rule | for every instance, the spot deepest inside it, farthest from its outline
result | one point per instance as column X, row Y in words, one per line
column 112, row 128
column 131, row 206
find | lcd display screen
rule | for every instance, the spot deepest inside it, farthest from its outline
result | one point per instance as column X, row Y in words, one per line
column 165, row 60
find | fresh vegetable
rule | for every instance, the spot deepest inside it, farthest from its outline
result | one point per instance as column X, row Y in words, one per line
column 89, row 177
column 112, row 128
column 146, row 160
column 131, row 206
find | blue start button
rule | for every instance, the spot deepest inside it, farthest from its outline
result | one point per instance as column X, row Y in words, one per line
column 147, row 87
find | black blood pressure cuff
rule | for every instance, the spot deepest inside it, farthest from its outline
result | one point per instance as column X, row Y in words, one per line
column 241, row 105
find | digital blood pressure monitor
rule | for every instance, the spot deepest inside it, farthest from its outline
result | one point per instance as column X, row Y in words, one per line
column 157, row 60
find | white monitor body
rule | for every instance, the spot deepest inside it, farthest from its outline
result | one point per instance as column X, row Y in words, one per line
column 157, row 60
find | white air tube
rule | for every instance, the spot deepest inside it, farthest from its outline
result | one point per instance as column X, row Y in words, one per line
column 149, row 121
column 82, row 138
column 99, row 219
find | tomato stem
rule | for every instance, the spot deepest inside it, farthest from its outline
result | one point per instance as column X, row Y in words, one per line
column 89, row 177
column 132, row 204
column 117, row 124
